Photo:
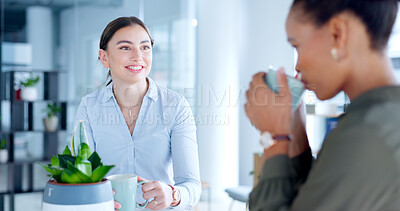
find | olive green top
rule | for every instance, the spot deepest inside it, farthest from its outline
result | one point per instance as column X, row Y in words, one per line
column 358, row 167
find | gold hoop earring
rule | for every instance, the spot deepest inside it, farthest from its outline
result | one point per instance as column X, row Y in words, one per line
column 334, row 54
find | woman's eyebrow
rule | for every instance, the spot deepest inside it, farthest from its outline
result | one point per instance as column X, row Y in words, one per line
column 124, row 41
column 129, row 42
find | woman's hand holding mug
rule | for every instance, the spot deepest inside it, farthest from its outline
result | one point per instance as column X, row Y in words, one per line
column 117, row 205
column 161, row 193
column 266, row 109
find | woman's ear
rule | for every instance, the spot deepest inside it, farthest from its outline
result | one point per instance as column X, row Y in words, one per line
column 104, row 58
column 339, row 29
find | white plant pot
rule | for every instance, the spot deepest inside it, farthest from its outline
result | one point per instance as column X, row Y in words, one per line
column 50, row 123
column 29, row 94
column 3, row 156
column 78, row 197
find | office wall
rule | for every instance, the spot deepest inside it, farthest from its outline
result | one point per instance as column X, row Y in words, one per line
column 236, row 39
column 265, row 44
column 218, row 45
column 394, row 41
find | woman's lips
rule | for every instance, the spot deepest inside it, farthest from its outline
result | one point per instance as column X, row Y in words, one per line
column 307, row 85
column 298, row 76
column 135, row 68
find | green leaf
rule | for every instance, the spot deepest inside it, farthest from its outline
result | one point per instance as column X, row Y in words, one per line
column 3, row 144
column 82, row 134
column 85, row 167
column 31, row 81
column 73, row 175
column 73, row 144
column 84, row 151
column 52, row 108
column 78, row 160
column 99, row 173
column 64, row 158
column 67, row 151
column 55, row 162
column 78, row 137
column 55, row 172
column 95, row 160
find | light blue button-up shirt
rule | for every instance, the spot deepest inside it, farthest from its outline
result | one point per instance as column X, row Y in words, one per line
column 163, row 145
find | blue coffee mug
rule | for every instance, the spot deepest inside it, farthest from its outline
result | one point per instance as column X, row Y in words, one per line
column 125, row 187
column 296, row 86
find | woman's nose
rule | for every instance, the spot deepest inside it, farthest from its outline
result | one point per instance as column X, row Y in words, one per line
column 136, row 54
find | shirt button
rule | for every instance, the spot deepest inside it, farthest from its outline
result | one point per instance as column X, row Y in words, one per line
column 131, row 143
column 131, row 163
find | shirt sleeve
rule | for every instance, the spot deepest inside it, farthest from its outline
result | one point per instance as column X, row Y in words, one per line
column 185, row 157
column 281, row 178
column 302, row 165
column 276, row 188
column 82, row 114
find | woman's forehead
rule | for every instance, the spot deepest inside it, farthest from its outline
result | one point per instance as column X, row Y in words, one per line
column 133, row 33
column 299, row 28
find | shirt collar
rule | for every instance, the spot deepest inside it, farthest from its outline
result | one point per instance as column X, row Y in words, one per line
column 108, row 93
column 375, row 96
column 151, row 92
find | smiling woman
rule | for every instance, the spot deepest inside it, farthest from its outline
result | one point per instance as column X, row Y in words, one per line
column 123, row 44
column 138, row 126
column 129, row 52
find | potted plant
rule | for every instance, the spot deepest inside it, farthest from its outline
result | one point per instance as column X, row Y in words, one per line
column 29, row 91
column 77, row 179
column 51, row 121
column 3, row 151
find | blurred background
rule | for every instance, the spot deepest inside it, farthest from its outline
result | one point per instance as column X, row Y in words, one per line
column 206, row 50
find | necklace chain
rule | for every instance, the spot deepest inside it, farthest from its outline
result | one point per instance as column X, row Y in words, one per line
column 130, row 113
column 129, row 108
column 130, row 124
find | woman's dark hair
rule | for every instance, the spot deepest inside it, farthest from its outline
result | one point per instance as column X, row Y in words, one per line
column 116, row 25
column 377, row 15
